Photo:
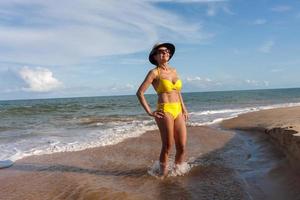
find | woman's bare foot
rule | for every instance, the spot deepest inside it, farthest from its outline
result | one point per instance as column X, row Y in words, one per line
column 164, row 169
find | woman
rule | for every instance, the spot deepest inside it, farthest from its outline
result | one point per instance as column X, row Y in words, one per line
column 171, row 113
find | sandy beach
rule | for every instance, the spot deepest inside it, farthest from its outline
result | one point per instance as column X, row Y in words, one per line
column 226, row 164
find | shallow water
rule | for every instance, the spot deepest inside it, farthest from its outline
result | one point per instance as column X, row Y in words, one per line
column 224, row 165
column 263, row 167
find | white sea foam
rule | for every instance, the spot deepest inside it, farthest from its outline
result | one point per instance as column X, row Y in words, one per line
column 244, row 110
column 210, row 117
column 173, row 169
column 88, row 139
column 215, row 121
column 74, row 140
column 211, row 112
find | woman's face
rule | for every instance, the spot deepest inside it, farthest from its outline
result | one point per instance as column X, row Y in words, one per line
column 162, row 55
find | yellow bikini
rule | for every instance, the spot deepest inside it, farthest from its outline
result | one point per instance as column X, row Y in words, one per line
column 165, row 85
column 174, row 108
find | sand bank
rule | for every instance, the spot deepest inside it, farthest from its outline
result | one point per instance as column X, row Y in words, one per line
column 281, row 124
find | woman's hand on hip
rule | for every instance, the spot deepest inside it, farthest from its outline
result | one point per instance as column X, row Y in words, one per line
column 157, row 114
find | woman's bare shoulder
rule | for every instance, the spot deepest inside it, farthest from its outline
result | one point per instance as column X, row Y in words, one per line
column 153, row 71
column 152, row 74
column 173, row 69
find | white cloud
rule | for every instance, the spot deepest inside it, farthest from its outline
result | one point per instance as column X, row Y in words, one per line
column 211, row 11
column 48, row 34
column 198, row 79
column 39, row 79
column 197, row 83
column 277, row 70
column 190, row 79
column 267, row 46
column 259, row 22
column 257, row 83
column 281, row 8
column 254, row 82
column 201, row 83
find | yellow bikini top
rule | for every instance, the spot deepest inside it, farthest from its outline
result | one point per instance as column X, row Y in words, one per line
column 166, row 85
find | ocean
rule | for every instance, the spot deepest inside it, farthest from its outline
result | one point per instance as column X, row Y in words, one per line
column 45, row 126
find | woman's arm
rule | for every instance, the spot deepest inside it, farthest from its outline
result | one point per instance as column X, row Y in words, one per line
column 184, row 110
column 140, row 94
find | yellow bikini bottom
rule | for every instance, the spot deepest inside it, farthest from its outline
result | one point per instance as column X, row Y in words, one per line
column 173, row 108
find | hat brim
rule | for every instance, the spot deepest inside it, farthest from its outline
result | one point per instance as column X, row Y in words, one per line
column 169, row 46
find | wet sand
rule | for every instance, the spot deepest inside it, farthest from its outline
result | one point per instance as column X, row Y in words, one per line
column 226, row 165
column 120, row 172
column 281, row 124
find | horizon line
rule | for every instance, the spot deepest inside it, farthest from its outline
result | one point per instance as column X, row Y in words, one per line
column 120, row 95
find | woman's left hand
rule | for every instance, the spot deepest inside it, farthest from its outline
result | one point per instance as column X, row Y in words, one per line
column 186, row 115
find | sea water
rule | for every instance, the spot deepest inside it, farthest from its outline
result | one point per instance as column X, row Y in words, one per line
column 43, row 126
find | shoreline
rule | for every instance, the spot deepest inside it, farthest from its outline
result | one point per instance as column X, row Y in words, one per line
column 225, row 166
column 52, row 147
column 282, row 125
column 116, row 171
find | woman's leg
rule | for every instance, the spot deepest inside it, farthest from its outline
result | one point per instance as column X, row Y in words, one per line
column 180, row 137
column 166, row 128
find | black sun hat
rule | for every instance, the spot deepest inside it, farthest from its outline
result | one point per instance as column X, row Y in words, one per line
column 169, row 46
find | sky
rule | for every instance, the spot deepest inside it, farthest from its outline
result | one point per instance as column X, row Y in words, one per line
column 78, row 48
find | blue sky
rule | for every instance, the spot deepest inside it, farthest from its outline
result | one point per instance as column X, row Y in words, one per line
column 52, row 49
